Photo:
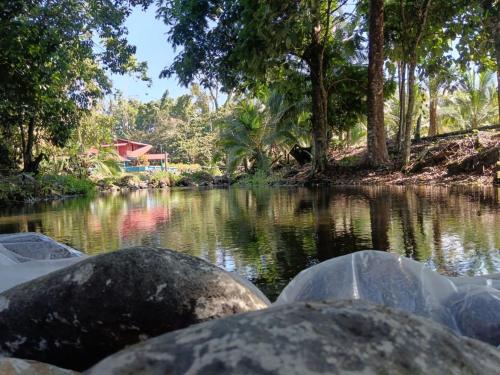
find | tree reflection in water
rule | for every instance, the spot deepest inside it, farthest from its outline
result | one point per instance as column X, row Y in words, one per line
column 269, row 235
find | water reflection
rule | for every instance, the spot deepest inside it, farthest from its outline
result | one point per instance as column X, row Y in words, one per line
column 269, row 235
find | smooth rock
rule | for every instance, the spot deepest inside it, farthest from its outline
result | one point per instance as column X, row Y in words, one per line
column 342, row 337
column 76, row 316
column 15, row 366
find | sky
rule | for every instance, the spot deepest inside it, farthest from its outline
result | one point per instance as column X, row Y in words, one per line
column 149, row 36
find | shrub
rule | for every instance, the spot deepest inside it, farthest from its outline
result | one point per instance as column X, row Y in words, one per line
column 199, row 177
column 185, row 168
column 128, row 180
column 64, row 185
column 157, row 178
column 259, row 178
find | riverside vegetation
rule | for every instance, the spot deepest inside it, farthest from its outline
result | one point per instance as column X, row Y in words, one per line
column 298, row 92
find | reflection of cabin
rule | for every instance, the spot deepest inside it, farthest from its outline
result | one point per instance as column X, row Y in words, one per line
column 135, row 156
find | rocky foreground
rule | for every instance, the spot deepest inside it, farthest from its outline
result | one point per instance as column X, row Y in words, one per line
column 156, row 311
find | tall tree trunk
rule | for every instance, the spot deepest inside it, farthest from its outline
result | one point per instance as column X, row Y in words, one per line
column 402, row 106
column 433, row 125
column 377, row 146
column 319, row 102
column 409, row 113
column 497, row 52
column 498, row 83
column 348, row 137
column 28, row 141
column 418, row 127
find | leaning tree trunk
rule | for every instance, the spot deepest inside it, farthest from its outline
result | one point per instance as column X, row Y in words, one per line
column 409, row 114
column 376, row 137
column 319, row 102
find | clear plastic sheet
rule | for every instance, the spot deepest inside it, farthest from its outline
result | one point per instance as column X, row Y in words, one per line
column 468, row 306
column 26, row 256
column 24, row 247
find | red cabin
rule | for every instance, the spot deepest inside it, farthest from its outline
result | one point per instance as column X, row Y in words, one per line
column 131, row 151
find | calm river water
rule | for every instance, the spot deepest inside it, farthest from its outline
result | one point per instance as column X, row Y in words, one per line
column 269, row 235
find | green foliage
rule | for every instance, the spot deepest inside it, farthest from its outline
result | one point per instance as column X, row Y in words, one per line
column 23, row 188
column 65, row 185
column 72, row 160
column 185, row 168
column 102, row 165
column 258, row 178
column 294, row 72
column 157, row 178
column 199, row 176
column 478, row 27
column 473, row 104
column 247, row 43
column 259, row 131
column 182, row 127
column 51, row 70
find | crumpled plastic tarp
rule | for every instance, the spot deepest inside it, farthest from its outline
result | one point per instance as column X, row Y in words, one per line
column 26, row 256
column 470, row 306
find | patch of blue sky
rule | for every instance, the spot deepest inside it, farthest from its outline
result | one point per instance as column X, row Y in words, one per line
column 149, row 35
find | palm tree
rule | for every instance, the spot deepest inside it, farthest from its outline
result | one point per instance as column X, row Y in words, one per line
column 473, row 105
column 259, row 131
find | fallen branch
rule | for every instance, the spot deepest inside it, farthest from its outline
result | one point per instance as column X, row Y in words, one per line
column 451, row 134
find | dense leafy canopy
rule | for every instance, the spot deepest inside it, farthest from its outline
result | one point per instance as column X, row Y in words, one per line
column 52, row 61
column 291, row 73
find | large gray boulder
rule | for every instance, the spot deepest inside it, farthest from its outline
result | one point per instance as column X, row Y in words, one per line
column 16, row 366
column 76, row 316
column 342, row 337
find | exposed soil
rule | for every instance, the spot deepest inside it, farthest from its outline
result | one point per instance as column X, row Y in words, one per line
column 455, row 160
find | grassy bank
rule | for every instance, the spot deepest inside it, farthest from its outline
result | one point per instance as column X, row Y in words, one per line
column 457, row 160
column 24, row 188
